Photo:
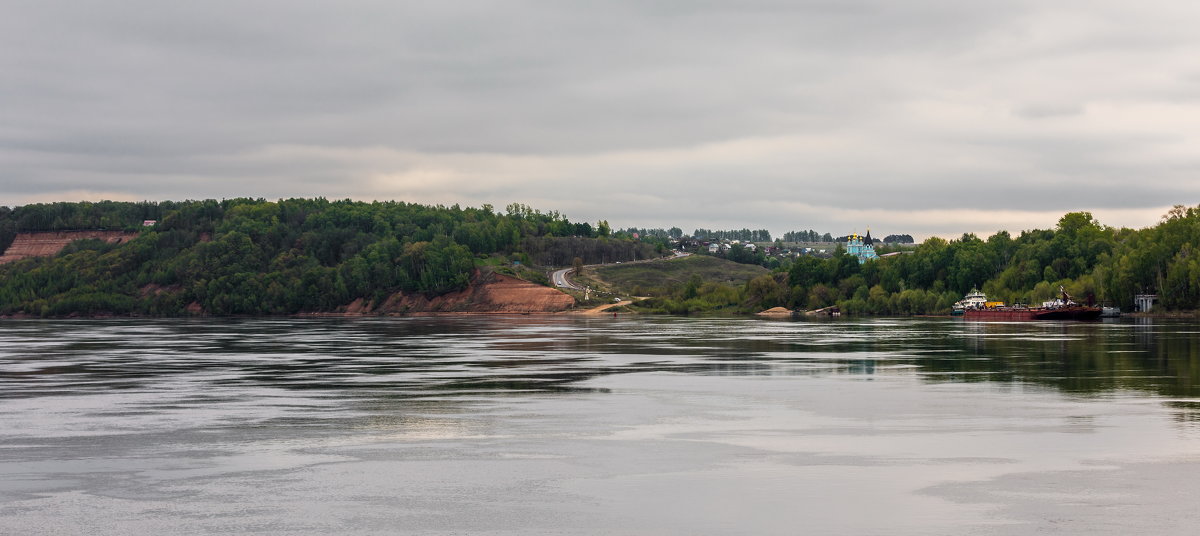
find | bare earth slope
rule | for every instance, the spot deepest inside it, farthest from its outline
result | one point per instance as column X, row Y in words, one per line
column 49, row 243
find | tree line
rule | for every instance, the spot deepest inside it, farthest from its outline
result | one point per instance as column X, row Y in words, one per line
column 745, row 235
column 1080, row 255
column 252, row 256
column 561, row 251
column 673, row 232
column 806, row 236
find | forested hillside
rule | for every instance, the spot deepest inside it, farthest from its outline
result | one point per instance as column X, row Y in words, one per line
column 246, row 256
column 1087, row 259
column 1079, row 254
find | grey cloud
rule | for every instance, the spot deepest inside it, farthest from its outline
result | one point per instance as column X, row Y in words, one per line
column 1041, row 111
column 616, row 110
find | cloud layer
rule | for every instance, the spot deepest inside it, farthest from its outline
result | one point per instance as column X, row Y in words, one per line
column 922, row 117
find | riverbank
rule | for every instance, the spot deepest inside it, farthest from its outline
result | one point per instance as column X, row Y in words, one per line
column 497, row 294
column 1164, row 314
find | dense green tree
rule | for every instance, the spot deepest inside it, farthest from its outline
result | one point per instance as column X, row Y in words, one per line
column 1080, row 254
column 252, row 256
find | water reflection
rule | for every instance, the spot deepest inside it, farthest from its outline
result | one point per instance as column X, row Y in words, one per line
column 548, row 425
column 1084, row 358
column 438, row 357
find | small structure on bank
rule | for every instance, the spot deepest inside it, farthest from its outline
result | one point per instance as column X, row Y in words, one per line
column 862, row 247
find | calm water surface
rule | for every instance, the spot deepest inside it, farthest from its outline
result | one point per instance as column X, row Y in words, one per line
column 562, row 425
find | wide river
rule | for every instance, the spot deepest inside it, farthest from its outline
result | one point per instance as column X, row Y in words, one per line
column 568, row 425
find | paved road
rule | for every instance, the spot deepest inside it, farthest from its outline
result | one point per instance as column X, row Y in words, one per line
column 560, row 279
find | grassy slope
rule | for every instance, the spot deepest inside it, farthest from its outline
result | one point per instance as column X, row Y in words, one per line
column 623, row 278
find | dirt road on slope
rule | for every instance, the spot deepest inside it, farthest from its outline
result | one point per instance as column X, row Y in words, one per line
column 601, row 309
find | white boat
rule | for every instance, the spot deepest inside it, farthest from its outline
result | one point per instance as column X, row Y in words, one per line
column 973, row 300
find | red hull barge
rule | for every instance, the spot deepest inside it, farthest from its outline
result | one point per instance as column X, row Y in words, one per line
column 1020, row 315
column 999, row 315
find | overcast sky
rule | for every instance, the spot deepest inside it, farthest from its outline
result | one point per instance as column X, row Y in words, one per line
column 916, row 116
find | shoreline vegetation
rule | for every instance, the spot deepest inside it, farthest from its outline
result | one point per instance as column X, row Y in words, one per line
column 315, row 257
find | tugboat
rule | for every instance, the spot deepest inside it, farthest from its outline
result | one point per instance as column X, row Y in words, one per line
column 973, row 300
column 1062, row 308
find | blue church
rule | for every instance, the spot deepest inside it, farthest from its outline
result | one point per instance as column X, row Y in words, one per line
column 862, row 247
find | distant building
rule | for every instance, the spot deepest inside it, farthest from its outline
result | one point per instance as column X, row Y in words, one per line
column 1143, row 303
column 862, row 247
column 149, row 223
